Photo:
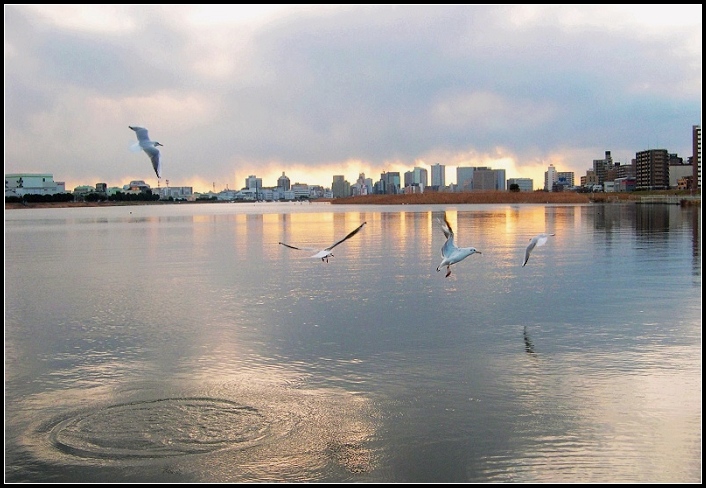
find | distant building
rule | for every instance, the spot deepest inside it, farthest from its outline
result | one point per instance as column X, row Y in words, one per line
column 590, row 179
column 362, row 186
column 19, row 184
column 602, row 166
column 652, row 169
column 696, row 157
column 82, row 190
column 301, row 190
column 417, row 178
column 340, row 187
column 136, row 186
column 389, row 183
column 679, row 172
column 464, row 178
column 524, row 184
column 175, row 192
column 283, row 182
column 485, row 178
column 565, row 179
column 626, row 183
column 438, row 175
column 550, row 177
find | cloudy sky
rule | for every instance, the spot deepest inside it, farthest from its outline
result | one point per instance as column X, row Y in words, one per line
column 317, row 91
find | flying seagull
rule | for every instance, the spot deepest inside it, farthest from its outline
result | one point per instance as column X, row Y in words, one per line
column 326, row 253
column 538, row 240
column 450, row 252
column 150, row 148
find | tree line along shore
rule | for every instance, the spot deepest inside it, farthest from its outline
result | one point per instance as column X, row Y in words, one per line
column 427, row 198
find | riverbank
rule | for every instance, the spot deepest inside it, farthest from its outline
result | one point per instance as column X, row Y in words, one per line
column 428, row 198
column 500, row 197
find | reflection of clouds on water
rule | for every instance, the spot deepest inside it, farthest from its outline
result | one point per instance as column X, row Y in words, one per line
column 242, row 430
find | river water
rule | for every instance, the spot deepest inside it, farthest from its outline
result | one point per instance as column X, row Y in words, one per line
column 182, row 343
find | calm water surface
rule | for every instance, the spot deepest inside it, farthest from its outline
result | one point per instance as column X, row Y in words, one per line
column 181, row 343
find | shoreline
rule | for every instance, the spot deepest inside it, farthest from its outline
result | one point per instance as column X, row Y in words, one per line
column 428, row 198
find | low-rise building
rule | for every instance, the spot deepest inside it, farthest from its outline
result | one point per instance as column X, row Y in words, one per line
column 20, row 184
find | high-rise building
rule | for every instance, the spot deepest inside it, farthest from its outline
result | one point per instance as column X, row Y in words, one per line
column 389, row 183
column 565, row 179
column 438, row 175
column 417, row 177
column 464, row 178
column 362, row 186
column 340, row 187
column 696, row 157
column 550, row 177
column 652, row 170
column 485, row 178
column 602, row 166
column 283, row 182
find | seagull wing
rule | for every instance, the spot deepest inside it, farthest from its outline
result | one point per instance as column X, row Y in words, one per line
column 449, row 246
column 542, row 239
column 294, row 247
column 156, row 159
column 142, row 134
column 533, row 242
column 446, row 227
column 351, row 234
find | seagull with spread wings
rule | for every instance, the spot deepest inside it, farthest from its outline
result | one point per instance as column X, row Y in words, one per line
column 150, row 148
column 326, row 253
column 450, row 252
column 536, row 241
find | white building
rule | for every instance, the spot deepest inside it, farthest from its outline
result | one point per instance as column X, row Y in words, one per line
column 19, row 184
column 550, row 177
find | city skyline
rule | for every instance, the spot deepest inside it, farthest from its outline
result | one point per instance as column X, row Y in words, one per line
column 317, row 91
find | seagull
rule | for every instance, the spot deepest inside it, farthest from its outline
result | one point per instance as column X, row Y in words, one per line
column 450, row 252
column 538, row 240
column 150, row 148
column 326, row 253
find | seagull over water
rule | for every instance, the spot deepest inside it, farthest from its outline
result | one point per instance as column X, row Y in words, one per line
column 326, row 253
column 150, row 148
column 450, row 252
column 538, row 240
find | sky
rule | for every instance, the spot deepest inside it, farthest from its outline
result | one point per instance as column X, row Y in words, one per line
column 320, row 90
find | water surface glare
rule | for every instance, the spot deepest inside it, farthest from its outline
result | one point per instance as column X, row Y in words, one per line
column 182, row 343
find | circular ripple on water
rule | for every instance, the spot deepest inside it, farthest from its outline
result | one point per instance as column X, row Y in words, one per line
column 159, row 429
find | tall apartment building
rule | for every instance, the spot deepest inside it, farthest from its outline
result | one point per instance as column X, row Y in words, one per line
column 550, row 177
column 389, row 183
column 565, row 179
column 464, row 178
column 417, row 177
column 652, row 170
column 602, row 166
column 438, row 175
column 696, row 158
column 340, row 187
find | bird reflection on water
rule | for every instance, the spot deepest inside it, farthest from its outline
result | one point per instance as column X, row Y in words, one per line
column 529, row 345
